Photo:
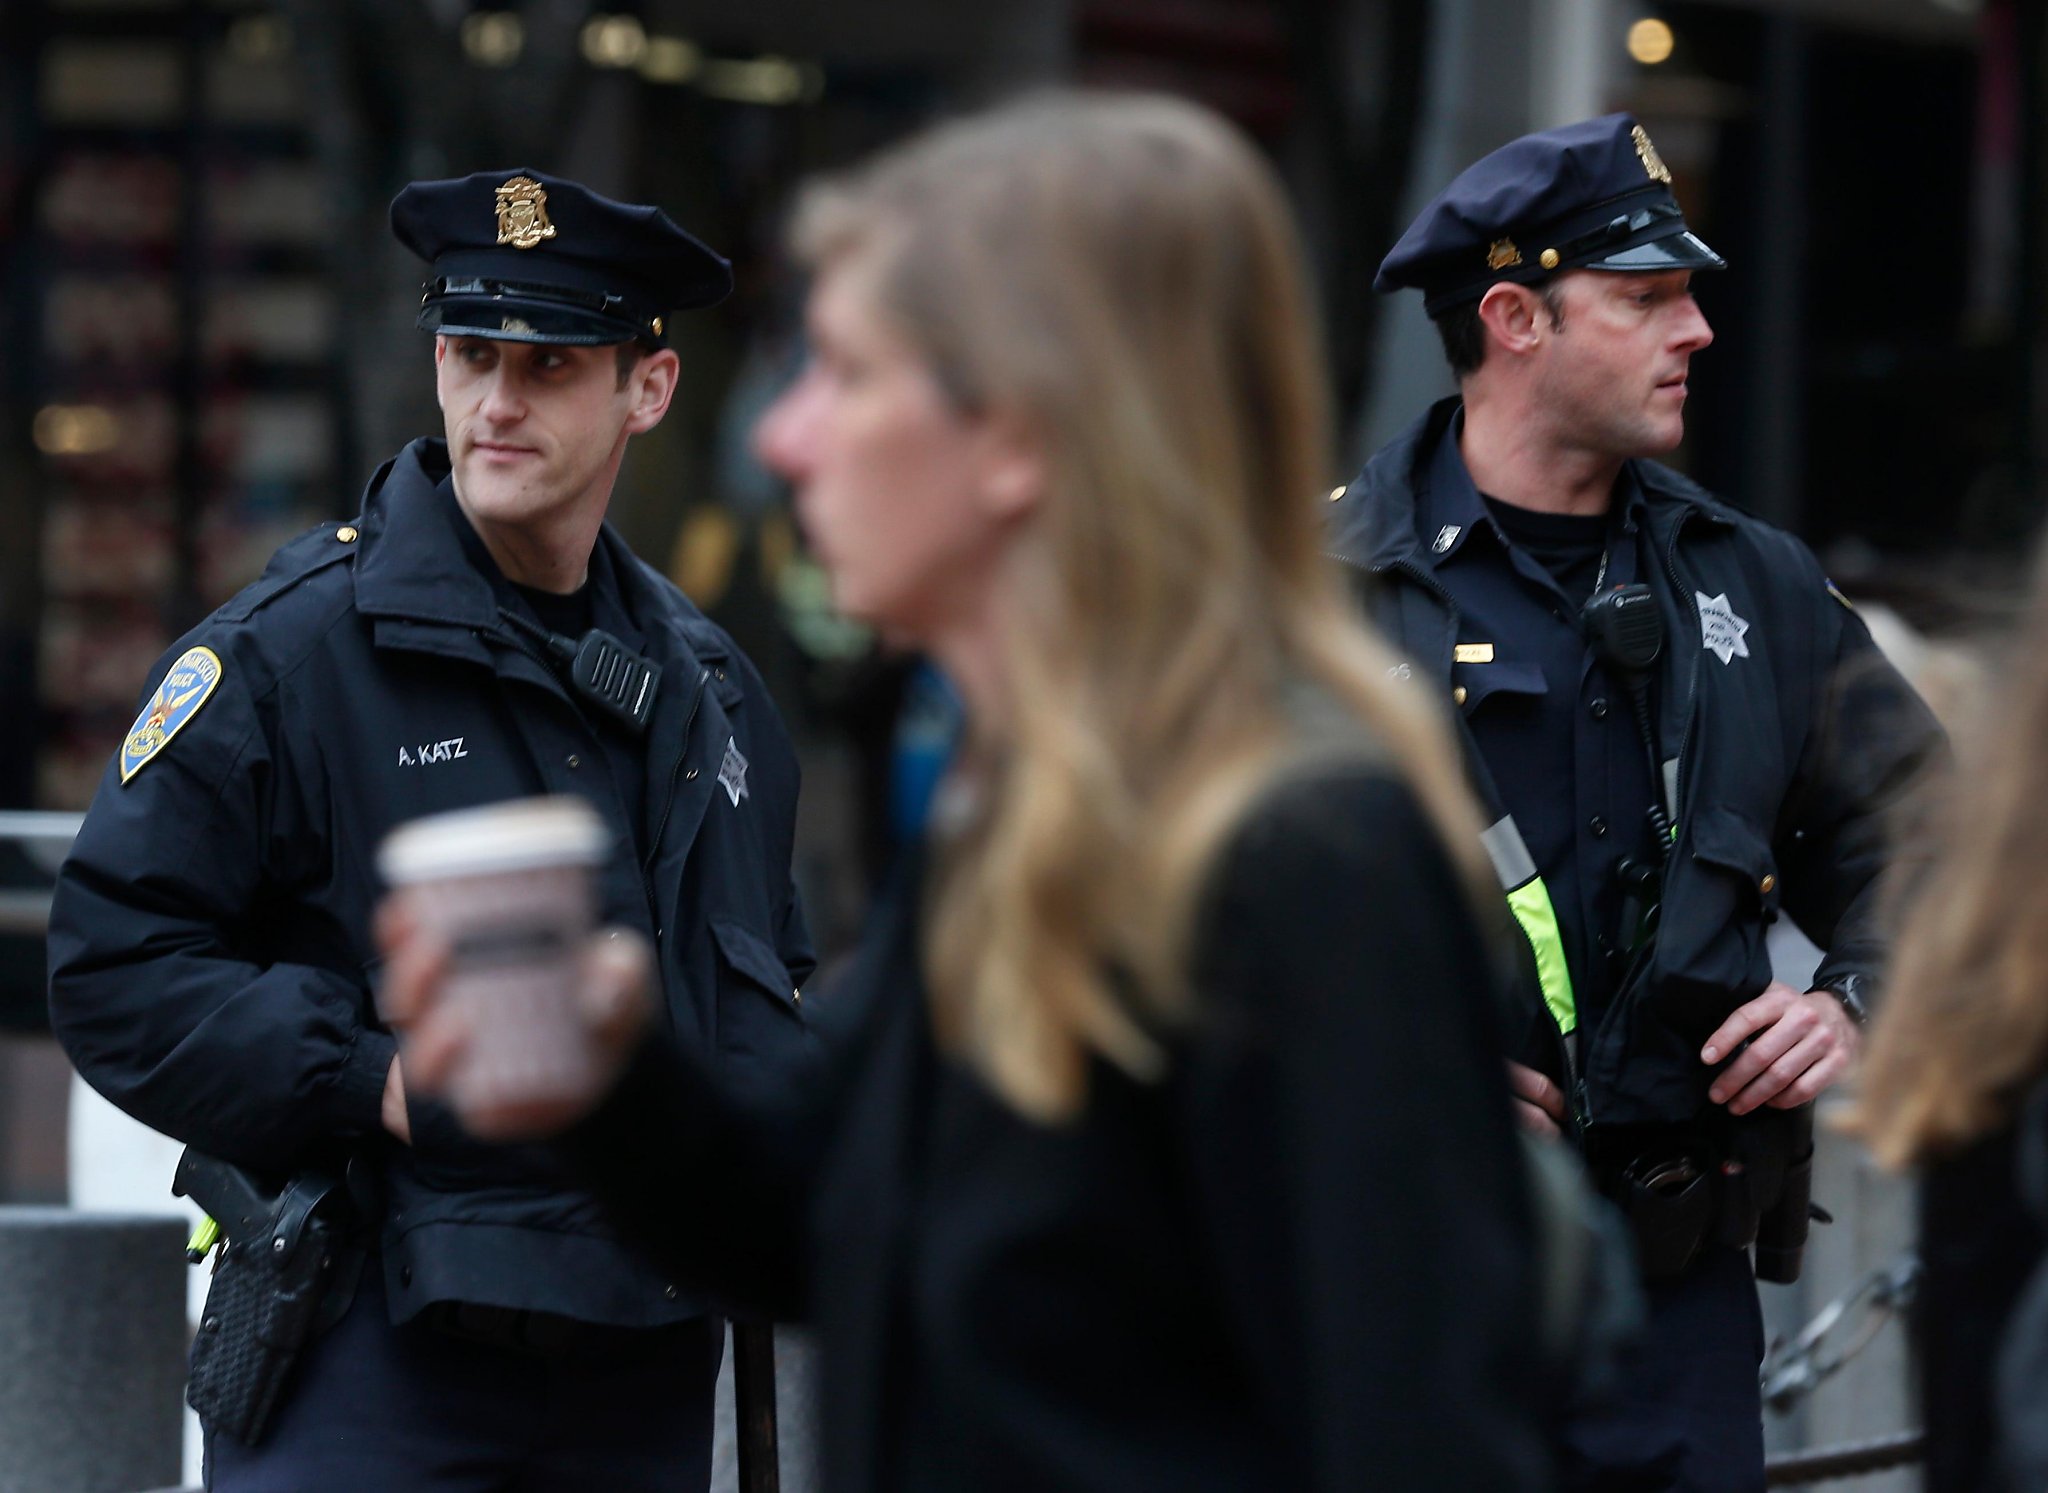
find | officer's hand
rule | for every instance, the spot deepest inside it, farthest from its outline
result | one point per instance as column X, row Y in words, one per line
column 1539, row 1103
column 1799, row 1044
column 613, row 1005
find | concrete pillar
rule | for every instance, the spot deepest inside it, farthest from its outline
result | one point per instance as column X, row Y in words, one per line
column 92, row 1311
column 1478, row 98
column 1574, row 44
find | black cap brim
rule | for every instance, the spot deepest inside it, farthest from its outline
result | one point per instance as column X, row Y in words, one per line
column 520, row 319
column 1684, row 250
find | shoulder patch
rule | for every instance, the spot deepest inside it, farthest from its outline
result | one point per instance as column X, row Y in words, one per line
column 185, row 688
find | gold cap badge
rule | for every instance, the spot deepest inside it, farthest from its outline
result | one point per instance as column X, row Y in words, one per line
column 1652, row 162
column 1502, row 254
column 523, row 213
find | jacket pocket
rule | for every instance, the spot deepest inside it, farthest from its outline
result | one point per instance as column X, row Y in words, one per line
column 1506, row 684
column 1711, row 950
column 759, row 1009
column 1729, row 843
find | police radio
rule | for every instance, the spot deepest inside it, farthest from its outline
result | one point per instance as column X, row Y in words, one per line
column 602, row 671
column 1624, row 629
column 1627, row 635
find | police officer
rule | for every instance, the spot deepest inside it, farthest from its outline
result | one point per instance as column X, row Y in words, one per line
column 212, row 965
column 1679, row 730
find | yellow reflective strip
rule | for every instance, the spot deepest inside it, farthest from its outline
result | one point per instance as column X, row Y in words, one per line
column 1530, row 903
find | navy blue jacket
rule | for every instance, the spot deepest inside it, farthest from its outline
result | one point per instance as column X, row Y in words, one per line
column 1789, row 756
column 211, row 963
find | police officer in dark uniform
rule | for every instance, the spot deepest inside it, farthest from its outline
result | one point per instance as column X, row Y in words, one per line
column 1678, row 728
column 211, row 958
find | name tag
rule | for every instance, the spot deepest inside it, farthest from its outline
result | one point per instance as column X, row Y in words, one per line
column 1472, row 653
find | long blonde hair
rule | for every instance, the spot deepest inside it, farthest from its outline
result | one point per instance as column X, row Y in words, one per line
column 1964, row 1027
column 1124, row 271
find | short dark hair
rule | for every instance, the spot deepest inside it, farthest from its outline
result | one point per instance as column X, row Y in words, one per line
column 1464, row 334
column 628, row 356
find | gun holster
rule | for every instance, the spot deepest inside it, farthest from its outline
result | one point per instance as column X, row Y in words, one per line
column 287, row 1270
column 1782, row 1225
column 1669, row 1202
column 1746, row 1182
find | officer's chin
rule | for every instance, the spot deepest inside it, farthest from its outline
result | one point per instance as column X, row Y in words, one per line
column 493, row 493
column 1662, row 438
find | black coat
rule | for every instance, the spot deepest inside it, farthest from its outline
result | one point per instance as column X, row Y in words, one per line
column 1789, row 762
column 1300, row 1261
column 1980, row 1242
column 210, row 951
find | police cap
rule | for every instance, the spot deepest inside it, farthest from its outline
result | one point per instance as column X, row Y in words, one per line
column 1593, row 195
column 527, row 257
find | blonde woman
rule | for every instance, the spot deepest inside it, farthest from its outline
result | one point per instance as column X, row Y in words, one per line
column 1165, row 1147
column 1960, row 1045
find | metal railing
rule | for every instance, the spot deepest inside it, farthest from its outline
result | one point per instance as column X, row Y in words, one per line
column 1836, row 1334
column 1857, row 1459
column 26, row 911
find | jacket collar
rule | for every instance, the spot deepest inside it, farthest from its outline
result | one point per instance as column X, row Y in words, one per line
column 1380, row 515
column 413, row 567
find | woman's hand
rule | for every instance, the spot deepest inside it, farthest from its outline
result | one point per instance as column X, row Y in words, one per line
column 613, row 1006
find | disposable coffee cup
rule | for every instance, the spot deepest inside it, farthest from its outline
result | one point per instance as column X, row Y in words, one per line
column 511, row 888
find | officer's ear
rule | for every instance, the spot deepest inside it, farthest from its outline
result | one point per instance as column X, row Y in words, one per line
column 1515, row 317
column 650, row 386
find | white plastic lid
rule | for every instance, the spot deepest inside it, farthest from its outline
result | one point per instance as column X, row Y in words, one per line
column 521, row 834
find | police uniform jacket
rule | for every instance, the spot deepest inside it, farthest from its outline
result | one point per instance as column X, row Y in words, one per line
column 1782, row 760
column 211, row 961
column 1300, row 1260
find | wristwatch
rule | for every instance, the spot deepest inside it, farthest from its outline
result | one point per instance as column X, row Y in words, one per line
column 1848, row 989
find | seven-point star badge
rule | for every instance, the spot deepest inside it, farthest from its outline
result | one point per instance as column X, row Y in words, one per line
column 1721, row 631
column 732, row 773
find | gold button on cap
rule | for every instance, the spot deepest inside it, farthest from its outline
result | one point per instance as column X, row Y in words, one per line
column 346, row 534
column 1766, row 884
column 1458, row 694
column 1548, row 259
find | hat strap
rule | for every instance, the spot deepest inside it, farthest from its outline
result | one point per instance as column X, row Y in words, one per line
column 587, row 300
column 1616, row 229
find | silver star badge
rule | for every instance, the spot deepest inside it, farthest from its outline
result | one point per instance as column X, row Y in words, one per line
column 1721, row 631
column 732, row 773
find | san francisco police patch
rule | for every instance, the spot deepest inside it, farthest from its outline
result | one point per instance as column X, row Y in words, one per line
column 177, row 700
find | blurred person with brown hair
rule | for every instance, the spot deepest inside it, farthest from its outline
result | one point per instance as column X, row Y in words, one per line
column 1165, row 1147
column 1953, row 1080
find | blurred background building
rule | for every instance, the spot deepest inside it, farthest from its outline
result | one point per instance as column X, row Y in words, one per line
column 209, row 340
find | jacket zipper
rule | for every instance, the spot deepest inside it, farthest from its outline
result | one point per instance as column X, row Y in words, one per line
column 1692, row 679
column 1579, row 1111
column 675, row 766
column 668, row 802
